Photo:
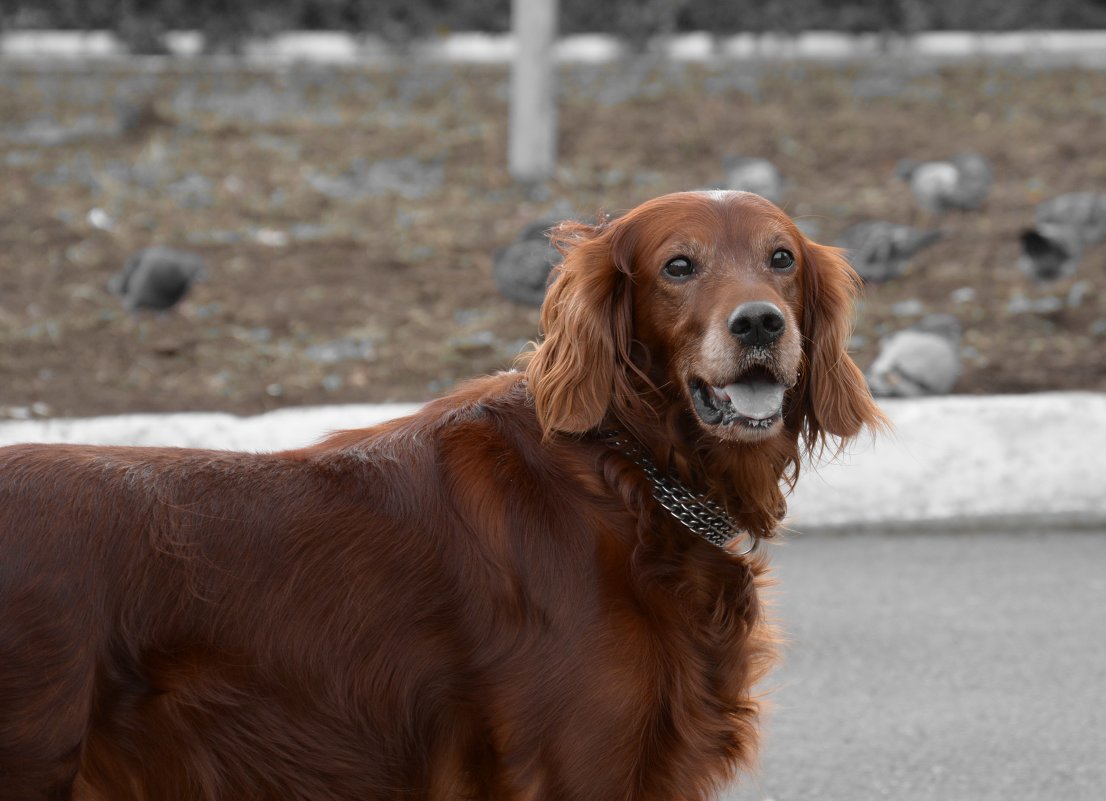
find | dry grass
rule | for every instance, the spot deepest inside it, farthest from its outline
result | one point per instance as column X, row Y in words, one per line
column 361, row 206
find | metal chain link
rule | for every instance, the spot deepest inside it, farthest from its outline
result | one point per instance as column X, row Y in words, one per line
column 699, row 515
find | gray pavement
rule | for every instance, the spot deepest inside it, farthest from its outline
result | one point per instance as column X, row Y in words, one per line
column 966, row 667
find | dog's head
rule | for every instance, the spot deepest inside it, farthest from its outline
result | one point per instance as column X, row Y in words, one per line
column 710, row 303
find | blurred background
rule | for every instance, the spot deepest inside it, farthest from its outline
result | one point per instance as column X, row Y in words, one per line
column 219, row 231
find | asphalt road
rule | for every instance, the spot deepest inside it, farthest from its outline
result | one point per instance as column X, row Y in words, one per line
column 954, row 667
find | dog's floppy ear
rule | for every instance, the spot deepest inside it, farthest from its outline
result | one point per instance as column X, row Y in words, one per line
column 587, row 324
column 834, row 398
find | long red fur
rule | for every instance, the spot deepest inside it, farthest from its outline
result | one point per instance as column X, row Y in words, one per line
column 481, row 600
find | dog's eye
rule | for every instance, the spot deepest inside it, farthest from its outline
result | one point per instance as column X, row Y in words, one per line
column 679, row 267
column 782, row 259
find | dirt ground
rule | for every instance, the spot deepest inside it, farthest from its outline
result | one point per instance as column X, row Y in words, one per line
column 348, row 216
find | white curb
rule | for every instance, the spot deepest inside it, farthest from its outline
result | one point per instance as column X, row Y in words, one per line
column 1087, row 48
column 967, row 462
column 952, row 463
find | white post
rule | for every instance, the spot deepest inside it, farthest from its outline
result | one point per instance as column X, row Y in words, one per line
column 532, row 138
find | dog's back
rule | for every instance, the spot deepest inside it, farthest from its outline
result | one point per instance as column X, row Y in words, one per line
column 167, row 614
column 400, row 611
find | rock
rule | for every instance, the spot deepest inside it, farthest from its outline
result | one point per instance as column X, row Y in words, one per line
column 521, row 269
column 1064, row 227
column 921, row 360
column 756, row 175
column 880, row 251
column 157, row 278
column 961, row 182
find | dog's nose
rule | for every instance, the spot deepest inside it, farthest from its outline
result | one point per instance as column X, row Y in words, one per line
column 757, row 323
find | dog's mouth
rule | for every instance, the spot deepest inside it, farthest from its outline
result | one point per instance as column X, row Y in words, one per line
column 752, row 402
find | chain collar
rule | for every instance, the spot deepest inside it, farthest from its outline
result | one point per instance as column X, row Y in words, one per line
column 699, row 515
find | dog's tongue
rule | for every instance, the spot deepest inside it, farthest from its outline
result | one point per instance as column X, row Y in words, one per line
column 757, row 400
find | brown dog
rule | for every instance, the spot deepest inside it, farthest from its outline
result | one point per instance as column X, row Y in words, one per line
column 488, row 599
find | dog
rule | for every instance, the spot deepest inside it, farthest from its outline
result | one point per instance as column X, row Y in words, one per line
column 535, row 587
